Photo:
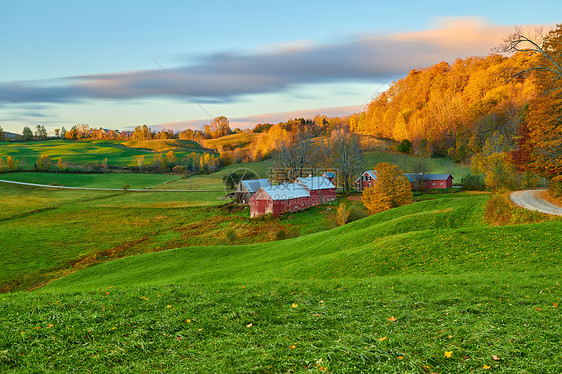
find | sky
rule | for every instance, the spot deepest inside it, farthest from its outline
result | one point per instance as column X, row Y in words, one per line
column 178, row 64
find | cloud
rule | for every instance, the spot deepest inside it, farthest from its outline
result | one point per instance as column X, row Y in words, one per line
column 224, row 77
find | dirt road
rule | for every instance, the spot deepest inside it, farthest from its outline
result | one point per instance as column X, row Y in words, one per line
column 103, row 189
column 529, row 199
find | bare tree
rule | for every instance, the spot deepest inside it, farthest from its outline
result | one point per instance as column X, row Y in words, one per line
column 421, row 170
column 542, row 43
column 140, row 161
column 296, row 159
column 344, row 153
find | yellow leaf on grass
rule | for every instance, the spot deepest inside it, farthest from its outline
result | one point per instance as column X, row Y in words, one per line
column 382, row 339
column 448, row 354
column 295, row 305
column 292, row 347
column 392, row 319
column 486, row 367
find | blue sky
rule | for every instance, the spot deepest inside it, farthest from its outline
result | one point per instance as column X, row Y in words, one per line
column 176, row 64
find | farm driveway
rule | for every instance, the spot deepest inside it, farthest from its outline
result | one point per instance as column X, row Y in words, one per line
column 529, row 199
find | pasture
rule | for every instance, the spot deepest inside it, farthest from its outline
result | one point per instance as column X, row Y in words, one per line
column 427, row 287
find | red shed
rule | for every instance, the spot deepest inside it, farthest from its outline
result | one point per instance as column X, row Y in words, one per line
column 431, row 180
column 278, row 199
column 331, row 177
column 320, row 188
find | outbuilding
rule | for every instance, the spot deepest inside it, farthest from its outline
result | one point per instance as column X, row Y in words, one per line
column 320, row 188
column 288, row 197
column 430, row 181
column 246, row 188
column 330, row 176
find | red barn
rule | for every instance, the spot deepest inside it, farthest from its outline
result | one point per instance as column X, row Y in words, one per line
column 278, row 199
column 431, row 180
column 320, row 188
column 365, row 180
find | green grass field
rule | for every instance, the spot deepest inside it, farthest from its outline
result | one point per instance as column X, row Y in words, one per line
column 425, row 288
column 113, row 180
column 118, row 154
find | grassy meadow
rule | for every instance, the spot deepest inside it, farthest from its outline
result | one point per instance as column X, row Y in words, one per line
column 425, row 288
column 118, row 153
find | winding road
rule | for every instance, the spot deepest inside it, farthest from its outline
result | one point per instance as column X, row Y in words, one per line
column 102, row 189
column 529, row 199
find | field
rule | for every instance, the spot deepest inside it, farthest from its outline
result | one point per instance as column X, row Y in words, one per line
column 428, row 287
column 118, row 154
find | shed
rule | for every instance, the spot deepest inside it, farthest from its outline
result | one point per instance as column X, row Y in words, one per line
column 246, row 188
column 276, row 200
column 431, row 180
column 320, row 188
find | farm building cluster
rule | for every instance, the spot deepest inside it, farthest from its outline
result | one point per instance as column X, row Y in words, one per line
column 264, row 197
column 303, row 193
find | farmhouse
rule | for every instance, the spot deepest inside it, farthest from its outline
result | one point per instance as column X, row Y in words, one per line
column 247, row 188
column 431, row 180
column 365, row 180
column 320, row 188
column 288, row 197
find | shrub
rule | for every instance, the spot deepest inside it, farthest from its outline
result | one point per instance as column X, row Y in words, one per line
column 390, row 189
column 555, row 187
column 125, row 188
column 231, row 235
column 281, row 234
column 405, row 146
column 473, row 182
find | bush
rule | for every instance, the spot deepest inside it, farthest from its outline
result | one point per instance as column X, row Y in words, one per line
column 405, row 146
column 555, row 187
column 231, row 235
column 473, row 183
column 281, row 234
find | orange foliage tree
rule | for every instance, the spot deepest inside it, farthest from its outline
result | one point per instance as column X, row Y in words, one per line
column 390, row 189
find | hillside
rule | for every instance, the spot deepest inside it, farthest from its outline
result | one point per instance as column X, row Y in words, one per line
column 427, row 287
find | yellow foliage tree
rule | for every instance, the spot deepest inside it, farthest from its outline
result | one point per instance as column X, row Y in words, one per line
column 390, row 189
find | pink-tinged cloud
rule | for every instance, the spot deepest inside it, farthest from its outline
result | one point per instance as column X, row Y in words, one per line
column 225, row 77
column 251, row 121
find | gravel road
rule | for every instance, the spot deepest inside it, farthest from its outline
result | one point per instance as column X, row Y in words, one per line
column 529, row 199
column 103, row 189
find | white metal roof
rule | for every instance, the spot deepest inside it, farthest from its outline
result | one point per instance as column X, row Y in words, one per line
column 252, row 185
column 315, row 183
column 286, row 191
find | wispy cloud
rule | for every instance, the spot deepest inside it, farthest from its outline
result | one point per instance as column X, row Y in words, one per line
column 224, row 77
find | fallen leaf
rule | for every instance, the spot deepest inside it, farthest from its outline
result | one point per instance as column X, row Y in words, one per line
column 486, row 367
column 448, row 354
column 249, row 325
column 400, row 357
column 555, row 305
column 292, row 347
column 295, row 305
column 188, row 320
column 382, row 339
column 392, row 319
column 495, row 358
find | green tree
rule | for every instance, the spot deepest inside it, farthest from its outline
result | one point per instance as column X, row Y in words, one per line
column 27, row 134
column 40, row 132
column 2, row 134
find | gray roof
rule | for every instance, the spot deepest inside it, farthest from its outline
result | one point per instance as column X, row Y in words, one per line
column 412, row 177
column 252, row 185
column 286, row 191
column 315, row 183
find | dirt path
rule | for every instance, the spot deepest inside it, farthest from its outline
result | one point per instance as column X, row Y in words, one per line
column 103, row 189
column 529, row 199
